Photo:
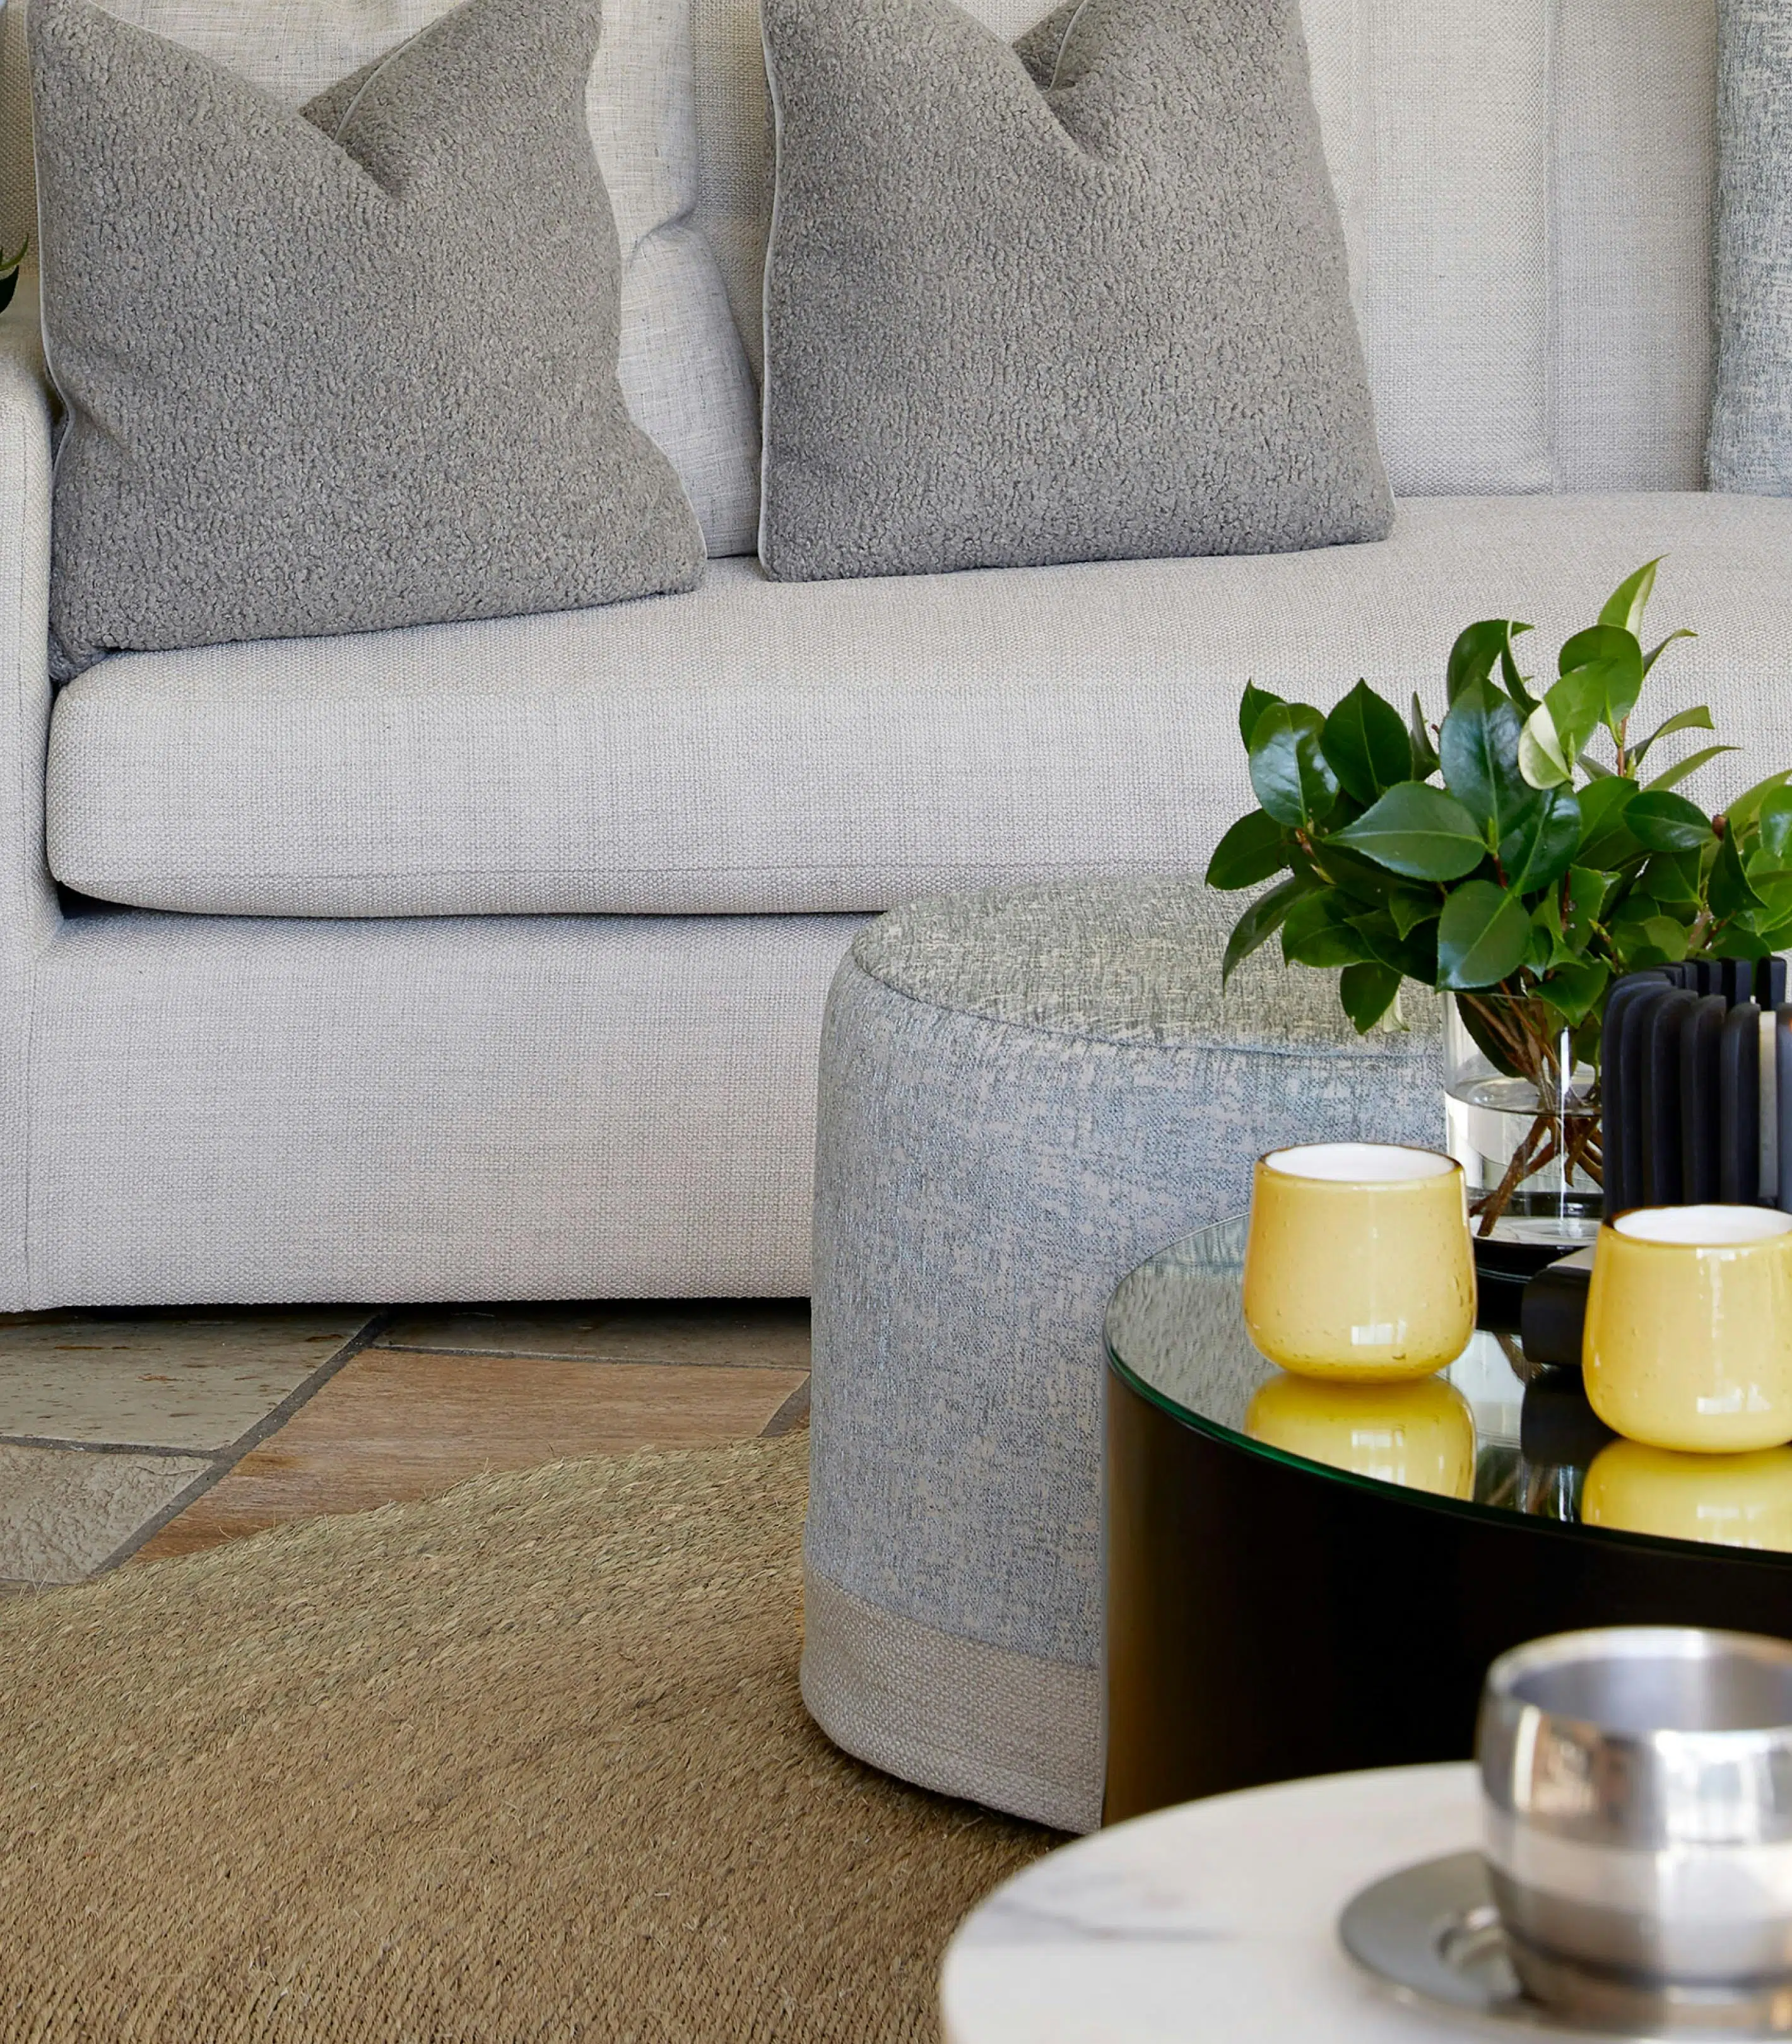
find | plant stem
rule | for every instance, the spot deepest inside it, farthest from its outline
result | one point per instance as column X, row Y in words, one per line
column 1518, row 1024
column 1491, row 1205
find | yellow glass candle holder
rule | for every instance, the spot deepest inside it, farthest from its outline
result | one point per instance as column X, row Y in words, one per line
column 1742, row 1501
column 1419, row 1434
column 1688, row 1341
column 1358, row 1265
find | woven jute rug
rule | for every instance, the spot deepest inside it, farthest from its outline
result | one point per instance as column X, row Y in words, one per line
column 525, row 1761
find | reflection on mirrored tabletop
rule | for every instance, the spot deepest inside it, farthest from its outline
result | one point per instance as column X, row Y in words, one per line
column 1491, row 1432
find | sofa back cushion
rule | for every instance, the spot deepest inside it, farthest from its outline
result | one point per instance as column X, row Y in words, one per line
column 1526, row 195
column 682, row 367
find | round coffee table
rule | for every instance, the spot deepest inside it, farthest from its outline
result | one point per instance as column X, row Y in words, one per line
column 1215, row 1923
column 1284, row 1599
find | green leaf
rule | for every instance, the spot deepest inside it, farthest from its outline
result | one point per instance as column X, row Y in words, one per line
column 1576, row 704
column 1288, row 771
column 1683, row 769
column 1544, row 948
column 1425, row 753
column 1607, row 660
column 1479, row 745
column 1367, row 744
column 1741, row 812
column 1509, row 676
column 1776, row 900
column 1731, row 891
column 1585, row 897
column 1542, row 759
column 1253, row 849
column 1367, row 992
column 1625, row 606
column 1546, row 921
column 1604, row 803
column 1740, row 944
column 1415, row 955
column 1687, row 719
column 1476, row 651
column 1592, row 769
column 1538, row 850
column 1261, row 921
column 1361, row 879
column 1650, row 940
column 1316, row 931
column 1604, row 841
column 1419, row 832
column 1573, row 988
column 1408, row 907
column 1672, row 881
column 1662, row 822
column 1252, row 705
column 1775, row 815
column 1481, row 936
column 1655, row 653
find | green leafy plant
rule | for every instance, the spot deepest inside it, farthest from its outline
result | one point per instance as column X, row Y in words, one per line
column 1495, row 857
column 9, row 272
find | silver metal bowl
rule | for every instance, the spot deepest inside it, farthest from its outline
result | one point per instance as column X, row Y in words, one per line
column 1637, row 1788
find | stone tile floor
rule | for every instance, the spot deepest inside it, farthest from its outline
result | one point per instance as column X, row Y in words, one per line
column 130, row 1436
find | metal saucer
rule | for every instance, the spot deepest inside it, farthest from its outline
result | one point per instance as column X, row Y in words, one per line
column 1431, row 1936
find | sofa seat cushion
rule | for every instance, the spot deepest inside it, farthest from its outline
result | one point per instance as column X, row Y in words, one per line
column 759, row 746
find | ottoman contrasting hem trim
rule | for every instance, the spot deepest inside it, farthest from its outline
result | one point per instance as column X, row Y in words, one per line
column 958, row 1715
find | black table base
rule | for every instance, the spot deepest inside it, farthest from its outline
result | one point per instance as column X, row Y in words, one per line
column 1265, row 1621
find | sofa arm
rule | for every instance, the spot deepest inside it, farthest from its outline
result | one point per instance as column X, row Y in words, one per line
column 28, row 914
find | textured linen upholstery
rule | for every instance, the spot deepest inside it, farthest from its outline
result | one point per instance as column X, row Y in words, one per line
column 1751, row 446
column 683, row 368
column 1435, row 120
column 29, row 914
column 1023, row 1093
column 1634, row 155
column 196, row 1111
column 1526, row 195
column 763, row 746
column 490, row 1107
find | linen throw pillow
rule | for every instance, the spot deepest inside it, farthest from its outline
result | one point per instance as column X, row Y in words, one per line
column 1750, row 448
column 333, row 372
column 1084, row 299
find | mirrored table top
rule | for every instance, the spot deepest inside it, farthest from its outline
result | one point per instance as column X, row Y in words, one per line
column 1492, row 1433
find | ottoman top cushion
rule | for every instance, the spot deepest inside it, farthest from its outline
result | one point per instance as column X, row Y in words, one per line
column 1119, row 962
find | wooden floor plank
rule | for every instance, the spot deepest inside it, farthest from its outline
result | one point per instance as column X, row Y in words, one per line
column 395, row 1424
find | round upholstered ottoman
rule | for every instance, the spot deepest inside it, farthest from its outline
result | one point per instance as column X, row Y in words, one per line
column 1023, row 1094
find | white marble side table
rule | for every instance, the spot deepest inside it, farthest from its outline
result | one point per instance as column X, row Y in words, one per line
column 1215, row 1922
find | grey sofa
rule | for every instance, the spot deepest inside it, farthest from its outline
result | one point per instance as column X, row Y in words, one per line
column 488, row 960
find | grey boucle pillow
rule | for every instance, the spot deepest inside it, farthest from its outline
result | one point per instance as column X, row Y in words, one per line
column 343, row 369
column 1751, row 444
column 1085, row 298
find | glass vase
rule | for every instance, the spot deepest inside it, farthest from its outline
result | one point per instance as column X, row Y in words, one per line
column 1523, row 1116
